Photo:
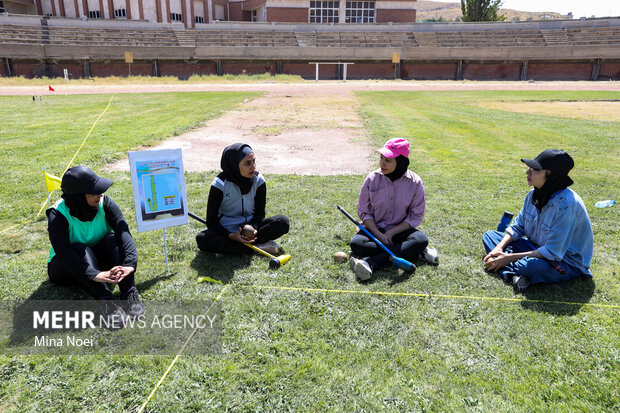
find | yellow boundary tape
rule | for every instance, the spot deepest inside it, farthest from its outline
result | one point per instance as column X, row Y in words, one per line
column 163, row 377
column 420, row 295
column 383, row 293
column 68, row 165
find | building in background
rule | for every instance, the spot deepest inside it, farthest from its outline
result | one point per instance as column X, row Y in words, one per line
column 195, row 12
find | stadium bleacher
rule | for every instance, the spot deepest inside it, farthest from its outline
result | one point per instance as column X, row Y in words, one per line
column 86, row 36
column 34, row 46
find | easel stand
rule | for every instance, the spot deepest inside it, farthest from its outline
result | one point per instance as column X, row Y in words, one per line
column 166, row 251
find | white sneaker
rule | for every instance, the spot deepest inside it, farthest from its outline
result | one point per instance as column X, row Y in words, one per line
column 361, row 268
column 431, row 255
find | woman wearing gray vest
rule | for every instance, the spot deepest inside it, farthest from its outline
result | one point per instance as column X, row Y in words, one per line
column 237, row 199
column 91, row 243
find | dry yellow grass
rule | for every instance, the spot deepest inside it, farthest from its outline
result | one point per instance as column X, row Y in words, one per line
column 450, row 11
column 590, row 110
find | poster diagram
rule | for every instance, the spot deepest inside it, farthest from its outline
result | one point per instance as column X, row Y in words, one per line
column 159, row 188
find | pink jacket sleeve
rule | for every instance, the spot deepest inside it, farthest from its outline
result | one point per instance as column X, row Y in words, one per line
column 364, row 209
column 417, row 206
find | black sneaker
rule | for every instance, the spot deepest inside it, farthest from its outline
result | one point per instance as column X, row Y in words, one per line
column 131, row 302
column 520, row 282
column 114, row 316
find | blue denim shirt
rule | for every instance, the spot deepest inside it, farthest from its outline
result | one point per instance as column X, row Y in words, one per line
column 561, row 231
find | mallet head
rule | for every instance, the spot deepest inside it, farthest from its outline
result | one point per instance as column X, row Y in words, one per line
column 279, row 261
column 403, row 264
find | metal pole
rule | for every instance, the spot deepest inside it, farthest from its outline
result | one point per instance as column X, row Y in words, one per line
column 459, row 70
column 86, row 69
column 9, row 70
column 316, row 77
column 596, row 69
column 166, row 252
column 524, row 70
column 344, row 75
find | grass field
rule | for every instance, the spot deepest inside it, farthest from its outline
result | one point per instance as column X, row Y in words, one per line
column 463, row 343
column 141, row 80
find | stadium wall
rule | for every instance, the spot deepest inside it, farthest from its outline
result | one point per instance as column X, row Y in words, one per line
column 186, row 52
column 360, row 70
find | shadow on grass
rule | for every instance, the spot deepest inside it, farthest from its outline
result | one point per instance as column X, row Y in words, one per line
column 147, row 284
column 45, row 292
column 395, row 276
column 565, row 298
column 220, row 269
column 48, row 291
column 569, row 297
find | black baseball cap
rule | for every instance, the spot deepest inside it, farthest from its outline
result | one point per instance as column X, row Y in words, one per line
column 554, row 160
column 81, row 180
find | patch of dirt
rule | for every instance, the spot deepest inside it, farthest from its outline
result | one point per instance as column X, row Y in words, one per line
column 324, row 87
column 303, row 128
column 291, row 133
column 590, row 110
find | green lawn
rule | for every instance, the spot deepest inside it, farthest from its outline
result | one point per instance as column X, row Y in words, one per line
column 342, row 349
column 141, row 80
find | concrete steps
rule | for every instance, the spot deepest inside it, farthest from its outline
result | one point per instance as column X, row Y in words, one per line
column 555, row 37
column 306, row 39
column 425, row 39
column 185, row 38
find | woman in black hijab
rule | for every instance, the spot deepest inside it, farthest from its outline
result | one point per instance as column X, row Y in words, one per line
column 391, row 206
column 91, row 243
column 236, row 208
column 551, row 240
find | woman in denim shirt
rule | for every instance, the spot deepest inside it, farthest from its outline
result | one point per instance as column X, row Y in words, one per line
column 551, row 239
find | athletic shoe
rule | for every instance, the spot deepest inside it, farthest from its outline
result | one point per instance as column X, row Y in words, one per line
column 520, row 282
column 113, row 314
column 131, row 302
column 361, row 268
column 431, row 255
column 269, row 247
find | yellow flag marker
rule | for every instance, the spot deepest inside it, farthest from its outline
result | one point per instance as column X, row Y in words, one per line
column 51, row 182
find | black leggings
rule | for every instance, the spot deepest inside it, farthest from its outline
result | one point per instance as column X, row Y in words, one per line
column 101, row 257
column 270, row 229
column 408, row 244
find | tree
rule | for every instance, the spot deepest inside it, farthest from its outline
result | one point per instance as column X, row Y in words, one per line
column 481, row 10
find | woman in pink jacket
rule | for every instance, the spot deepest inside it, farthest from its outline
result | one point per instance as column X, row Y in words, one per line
column 391, row 206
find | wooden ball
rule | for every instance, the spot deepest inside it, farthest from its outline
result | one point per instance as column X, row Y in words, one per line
column 248, row 231
column 340, row 256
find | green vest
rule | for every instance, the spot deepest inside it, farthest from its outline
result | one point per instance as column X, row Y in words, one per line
column 89, row 233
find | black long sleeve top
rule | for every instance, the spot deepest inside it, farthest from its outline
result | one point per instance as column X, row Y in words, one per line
column 58, row 229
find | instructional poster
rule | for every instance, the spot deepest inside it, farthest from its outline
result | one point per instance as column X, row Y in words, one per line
column 158, row 183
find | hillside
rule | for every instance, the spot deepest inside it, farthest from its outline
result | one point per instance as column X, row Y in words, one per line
column 435, row 10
